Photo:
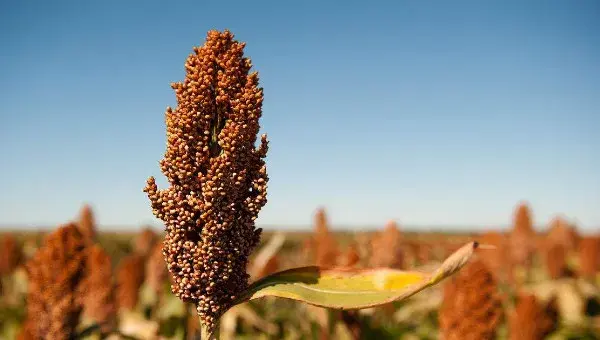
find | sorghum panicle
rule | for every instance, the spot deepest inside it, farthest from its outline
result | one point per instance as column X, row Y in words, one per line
column 326, row 248
column 471, row 308
column 555, row 260
column 28, row 330
column 11, row 254
column 387, row 248
column 589, row 256
column 130, row 277
column 561, row 232
column 522, row 237
column 532, row 319
column 423, row 252
column 156, row 269
column 351, row 256
column 86, row 223
column 217, row 176
column 54, row 273
column 97, row 290
column 144, row 241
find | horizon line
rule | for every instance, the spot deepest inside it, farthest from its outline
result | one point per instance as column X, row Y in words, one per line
column 429, row 228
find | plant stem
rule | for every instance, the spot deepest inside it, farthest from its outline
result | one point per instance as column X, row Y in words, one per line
column 207, row 333
column 186, row 316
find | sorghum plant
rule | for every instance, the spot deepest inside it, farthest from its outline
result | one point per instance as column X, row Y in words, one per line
column 532, row 319
column 11, row 254
column 387, row 247
column 156, row 269
column 555, row 260
column 55, row 273
column 86, row 223
column 471, row 308
column 589, row 256
column 218, row 178
column 522, row 239
column 144, row 241
column 350, row 257
column 561, row 232
column 326, row 248
column 97, row 290
column 130, row 277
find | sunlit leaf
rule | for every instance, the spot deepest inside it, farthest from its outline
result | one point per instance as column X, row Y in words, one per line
column 349, row 288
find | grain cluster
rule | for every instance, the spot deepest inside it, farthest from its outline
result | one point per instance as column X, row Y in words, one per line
column 217, row 176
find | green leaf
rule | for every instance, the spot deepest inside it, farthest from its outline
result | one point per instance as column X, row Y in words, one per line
column 346, row 288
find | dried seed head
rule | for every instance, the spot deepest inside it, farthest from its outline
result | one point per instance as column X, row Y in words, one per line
column 589, row 256
column 307, row 250
column 424, row 252
column 523, row 219
column 561, row 232
column 144, row 241
column 351, row 257
column 522, row 237
column 321, row 222
column 387, row 248
column 87, row 223
column 97, row 291
column 156, row 268
column 531, row 319
column 54, row 273
column 130, row 277
column 471, row 308
column 325, row 245
column 217, row 176
column 560, row 240
column 28, row 330
column 555, row 259
column 11, row 254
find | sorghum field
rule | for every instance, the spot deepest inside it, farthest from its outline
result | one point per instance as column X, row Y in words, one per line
column 115, row 285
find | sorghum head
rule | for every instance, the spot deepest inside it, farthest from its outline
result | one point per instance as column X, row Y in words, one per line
column 217, row 176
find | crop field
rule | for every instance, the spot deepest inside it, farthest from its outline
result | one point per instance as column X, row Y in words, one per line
column 531, row 285
column 381, row 119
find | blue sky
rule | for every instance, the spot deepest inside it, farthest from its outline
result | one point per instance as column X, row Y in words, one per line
column 430, row 113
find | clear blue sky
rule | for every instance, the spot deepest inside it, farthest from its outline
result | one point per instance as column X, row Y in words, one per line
column 431, row 113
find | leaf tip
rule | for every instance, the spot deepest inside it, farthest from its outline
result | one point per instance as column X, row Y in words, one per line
column 455, row 262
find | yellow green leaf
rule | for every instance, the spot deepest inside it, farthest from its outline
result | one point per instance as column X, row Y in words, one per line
column 344, row 288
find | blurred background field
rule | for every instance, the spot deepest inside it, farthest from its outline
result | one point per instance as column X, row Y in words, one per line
column 540, row 284
column 433, row 115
